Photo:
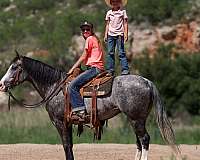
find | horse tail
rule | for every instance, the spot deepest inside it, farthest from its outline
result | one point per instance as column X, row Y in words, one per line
column 163, row 122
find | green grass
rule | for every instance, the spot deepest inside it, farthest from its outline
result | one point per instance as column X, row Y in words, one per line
column 34, row 126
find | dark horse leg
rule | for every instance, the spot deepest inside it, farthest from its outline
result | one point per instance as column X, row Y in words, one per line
column 66, row 136
column 143, row 139
column 139, row 149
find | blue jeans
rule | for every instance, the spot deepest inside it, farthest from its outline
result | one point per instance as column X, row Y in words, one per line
column 111, row 45
column 74, row 87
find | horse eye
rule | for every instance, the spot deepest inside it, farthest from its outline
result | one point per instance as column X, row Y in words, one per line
column 14, row 66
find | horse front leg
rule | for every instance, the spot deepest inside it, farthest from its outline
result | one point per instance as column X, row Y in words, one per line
column 67, row 140
column 66, row 137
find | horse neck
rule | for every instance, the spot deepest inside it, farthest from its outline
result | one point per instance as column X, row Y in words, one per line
column 42, row 76
column 42, row 89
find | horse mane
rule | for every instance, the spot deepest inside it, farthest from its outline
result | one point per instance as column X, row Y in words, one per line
column 43, row 73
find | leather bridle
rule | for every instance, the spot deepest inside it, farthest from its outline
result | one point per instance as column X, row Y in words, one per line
column 15, row 82
column 16, row 79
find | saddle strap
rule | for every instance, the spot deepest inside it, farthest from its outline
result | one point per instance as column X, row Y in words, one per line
column 68, row 108
column 93, row 117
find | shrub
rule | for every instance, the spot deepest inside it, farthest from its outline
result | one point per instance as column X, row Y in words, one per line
column 4, row 3
column 156, row 10
column 33, row 5
column 177, row 79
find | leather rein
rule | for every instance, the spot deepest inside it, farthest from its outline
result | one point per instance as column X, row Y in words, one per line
column 57, row 89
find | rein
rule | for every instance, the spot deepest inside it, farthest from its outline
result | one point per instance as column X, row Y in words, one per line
column 44, row 100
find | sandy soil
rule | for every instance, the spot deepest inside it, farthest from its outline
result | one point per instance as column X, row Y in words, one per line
column 91, row 152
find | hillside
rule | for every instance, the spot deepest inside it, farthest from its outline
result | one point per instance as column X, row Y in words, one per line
column 50, row 25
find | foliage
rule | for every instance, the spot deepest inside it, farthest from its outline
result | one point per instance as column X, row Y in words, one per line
column 4, row 3
column 157, row 10
column 51, row 24
column 33, row 5
column 176, row 78
column 81, row 3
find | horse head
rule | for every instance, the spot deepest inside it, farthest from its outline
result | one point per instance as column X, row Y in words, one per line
column 14, row 74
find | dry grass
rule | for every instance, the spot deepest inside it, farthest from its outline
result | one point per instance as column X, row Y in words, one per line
column 22, row 118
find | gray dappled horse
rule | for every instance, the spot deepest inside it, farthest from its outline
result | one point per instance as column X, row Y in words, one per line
column 132, row 95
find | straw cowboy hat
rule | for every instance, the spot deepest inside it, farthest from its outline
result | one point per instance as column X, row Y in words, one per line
column 124, row 2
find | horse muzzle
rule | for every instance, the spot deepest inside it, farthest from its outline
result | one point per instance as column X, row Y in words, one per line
column 4, row 86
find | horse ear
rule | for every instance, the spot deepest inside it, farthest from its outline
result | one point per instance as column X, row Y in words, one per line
column 17, row 54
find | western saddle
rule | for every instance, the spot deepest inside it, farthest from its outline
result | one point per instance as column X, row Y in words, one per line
column 99, row 86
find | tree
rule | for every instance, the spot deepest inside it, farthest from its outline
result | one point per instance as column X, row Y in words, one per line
column 178, row 79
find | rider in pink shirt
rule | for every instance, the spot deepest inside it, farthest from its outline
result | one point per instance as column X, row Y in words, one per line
column 93, row 58
column 95, row 53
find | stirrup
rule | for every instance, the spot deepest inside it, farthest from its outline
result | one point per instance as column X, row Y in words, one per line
column 79, row 115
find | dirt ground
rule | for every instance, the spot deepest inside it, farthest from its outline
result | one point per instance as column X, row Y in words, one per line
column 91, row 152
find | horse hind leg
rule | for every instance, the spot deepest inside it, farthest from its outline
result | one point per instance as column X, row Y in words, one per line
column 139, row 149
column 145, row 145
column 143, row 139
